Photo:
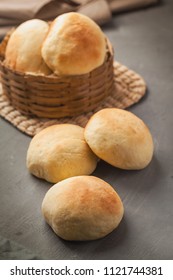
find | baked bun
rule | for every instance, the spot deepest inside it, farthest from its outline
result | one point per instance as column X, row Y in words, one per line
column 74, row 45
column 82, row 208
column 59, row 152
column 23, row 51
column 120, row 138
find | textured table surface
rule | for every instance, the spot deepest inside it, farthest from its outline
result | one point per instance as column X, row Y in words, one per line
column 143, row 41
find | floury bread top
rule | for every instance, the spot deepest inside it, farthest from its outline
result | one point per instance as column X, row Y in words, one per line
column 72, row 44
column 23, row 51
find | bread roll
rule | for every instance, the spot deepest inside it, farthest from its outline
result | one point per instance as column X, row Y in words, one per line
column 23, row 51
column 120, row 138
column 74, row 45
column 82, row 208
column 59, row 152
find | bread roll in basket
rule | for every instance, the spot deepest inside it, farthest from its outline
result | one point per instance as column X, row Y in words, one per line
column 57, row 95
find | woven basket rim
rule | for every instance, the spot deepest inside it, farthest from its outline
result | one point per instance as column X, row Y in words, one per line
column 71, row 95
column 130, row 87
column 52, row 75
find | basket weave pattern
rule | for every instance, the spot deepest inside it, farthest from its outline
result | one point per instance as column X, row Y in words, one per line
column 129, row 89
column 126, row 88
column 58, row 96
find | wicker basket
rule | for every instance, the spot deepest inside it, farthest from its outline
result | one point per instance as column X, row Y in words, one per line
column 57, row 96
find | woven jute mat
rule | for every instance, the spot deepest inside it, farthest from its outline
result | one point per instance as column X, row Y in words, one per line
column 129, row 89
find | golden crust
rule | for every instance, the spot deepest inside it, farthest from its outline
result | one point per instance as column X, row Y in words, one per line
column 59, row 152
column 23, row 51
column 120, row 138
column 82, row 208
column 74, row 45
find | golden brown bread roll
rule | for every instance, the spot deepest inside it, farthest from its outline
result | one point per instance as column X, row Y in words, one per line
column 120, row 138
column 60, row 151
column 74, row 45
column 23, row 51
column 82, row 208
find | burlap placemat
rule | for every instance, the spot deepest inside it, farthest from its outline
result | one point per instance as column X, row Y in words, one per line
column 129, row 89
